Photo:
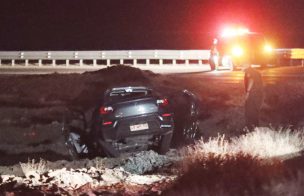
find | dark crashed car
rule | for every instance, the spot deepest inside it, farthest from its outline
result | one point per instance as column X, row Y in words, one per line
column 127, row 119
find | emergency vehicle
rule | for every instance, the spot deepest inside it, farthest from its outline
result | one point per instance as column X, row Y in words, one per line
column 237, row 47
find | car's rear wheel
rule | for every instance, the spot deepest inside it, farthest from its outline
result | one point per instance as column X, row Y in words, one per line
column 191, row 131
column 165, row 143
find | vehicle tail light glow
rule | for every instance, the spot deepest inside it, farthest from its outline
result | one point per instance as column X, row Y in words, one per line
column 166, row 115
column 105, row 110
column 162, row 102
column 107, row 123
column 237, row 51
column 268, row 48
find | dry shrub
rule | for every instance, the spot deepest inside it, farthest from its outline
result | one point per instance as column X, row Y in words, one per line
column 99, row 163
column 263, row 142
column 268, row 142
column 32, row 168
column 245, row 165
column 239, row 174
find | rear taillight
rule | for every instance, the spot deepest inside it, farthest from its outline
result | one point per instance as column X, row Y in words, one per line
column 105, row 110
column 107, row 123
column 166, row 115
column 162, row 102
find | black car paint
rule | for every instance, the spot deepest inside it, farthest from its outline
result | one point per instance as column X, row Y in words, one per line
column 116, row 137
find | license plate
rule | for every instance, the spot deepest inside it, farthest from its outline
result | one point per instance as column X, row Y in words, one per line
column 139, row 127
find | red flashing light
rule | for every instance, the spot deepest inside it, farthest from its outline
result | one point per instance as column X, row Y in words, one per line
column 230, row 32
column 166, row 115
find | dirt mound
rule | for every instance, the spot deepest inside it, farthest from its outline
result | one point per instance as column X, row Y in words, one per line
column 58, row 89
column 34, row 106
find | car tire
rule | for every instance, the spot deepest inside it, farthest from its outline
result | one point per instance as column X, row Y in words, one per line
column 165, row 143
column 263, row 66
column 233, row 68
column 191, row 132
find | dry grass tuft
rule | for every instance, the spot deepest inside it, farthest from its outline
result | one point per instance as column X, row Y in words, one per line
column 32, row 168
column 239, row 174
column 99, row 163
column 245, row 165
column 268, row 143
column 262, row 142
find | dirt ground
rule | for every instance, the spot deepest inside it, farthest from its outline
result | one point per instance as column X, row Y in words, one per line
column 32, row 108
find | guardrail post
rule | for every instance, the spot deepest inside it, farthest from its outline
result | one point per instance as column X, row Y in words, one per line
column 0, row 62
column 53, row 62
column 174, row 61
column 67, row 62
column 148, row 62
column 13, row 62
column 81, row 62
column 121, row 61
column 26, row 62
column 94, row 62
column 160, row 61
column 39, row 62
column 200, row 62
column 108, row 62
column 134, row 61
column 187, row 61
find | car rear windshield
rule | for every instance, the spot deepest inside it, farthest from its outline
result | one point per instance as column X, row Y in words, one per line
column 116, row 96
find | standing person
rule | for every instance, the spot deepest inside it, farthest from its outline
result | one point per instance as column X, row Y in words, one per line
column 254, row 96
column 214, row 56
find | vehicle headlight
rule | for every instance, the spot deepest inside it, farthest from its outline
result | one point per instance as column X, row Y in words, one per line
column 268, row 48
column 237, row 51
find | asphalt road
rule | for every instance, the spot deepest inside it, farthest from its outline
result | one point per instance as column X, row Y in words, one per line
column 163, row 69
column 270, row 75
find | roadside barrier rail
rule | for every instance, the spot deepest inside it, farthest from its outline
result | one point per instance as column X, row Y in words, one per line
column 83, row 59
column 95, row 58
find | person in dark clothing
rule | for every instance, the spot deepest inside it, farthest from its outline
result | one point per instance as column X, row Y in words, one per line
column 214, row 56
column 254, row 96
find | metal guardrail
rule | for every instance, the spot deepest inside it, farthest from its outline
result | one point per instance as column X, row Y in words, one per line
column 82, row 58
column 289, row 56
column 135, row 57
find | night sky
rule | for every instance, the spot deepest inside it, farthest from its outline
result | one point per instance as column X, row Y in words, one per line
column 143, row 24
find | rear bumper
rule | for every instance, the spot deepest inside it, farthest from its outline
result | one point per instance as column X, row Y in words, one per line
column 121, row 128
